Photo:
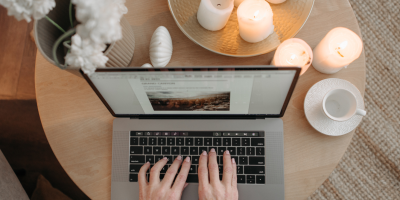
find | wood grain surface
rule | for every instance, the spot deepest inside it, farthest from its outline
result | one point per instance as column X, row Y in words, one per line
column 17, row 58
column 78, row 125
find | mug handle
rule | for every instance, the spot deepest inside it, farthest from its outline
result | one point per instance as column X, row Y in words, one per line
column 361, row 112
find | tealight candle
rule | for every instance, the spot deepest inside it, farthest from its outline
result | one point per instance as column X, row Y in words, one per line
column 214, row 14
column 336, row 50
column 276, row 1
column 293, row 52
column 255, row 20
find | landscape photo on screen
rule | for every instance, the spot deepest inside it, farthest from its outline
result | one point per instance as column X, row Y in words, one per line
column 189, row 101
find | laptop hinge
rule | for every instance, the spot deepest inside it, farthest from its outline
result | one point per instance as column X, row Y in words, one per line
column 200, row 117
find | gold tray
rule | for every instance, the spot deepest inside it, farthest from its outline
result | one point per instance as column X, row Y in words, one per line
column 289, row 17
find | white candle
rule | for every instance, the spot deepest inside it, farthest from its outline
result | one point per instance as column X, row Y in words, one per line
column 336, row 50
column 214, row 14
column 276, row 1
column 255, row 20
column 293, row 52
column 238, row 2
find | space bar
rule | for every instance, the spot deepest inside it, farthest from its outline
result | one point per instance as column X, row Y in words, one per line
column 192, row 178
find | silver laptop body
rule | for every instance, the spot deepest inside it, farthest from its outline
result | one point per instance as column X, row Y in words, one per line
column 140, row 99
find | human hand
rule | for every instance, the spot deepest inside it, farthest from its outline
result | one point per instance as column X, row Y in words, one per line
column 210, row 187
column 163, row 190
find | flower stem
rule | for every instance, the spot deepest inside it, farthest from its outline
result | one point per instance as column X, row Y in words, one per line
column 55, row 24
column 70, row 14
column 66, row 44
column 57, row 43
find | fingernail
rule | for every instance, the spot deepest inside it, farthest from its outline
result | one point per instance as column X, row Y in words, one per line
column 147, row 162
column 212, row 150
column 233, row 161
column 179, row 157
column 187, row 159
column 165, row 158
column 204, row 153
column 227, row 152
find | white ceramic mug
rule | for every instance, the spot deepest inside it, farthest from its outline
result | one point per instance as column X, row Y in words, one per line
column 341, row 105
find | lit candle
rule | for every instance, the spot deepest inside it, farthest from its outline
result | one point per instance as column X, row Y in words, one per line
column 336, row 50
column 276, row 1
column 255, row 20
column 214, row 14
column 293, row 52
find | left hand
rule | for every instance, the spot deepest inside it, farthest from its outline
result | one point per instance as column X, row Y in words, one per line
column 163, row 190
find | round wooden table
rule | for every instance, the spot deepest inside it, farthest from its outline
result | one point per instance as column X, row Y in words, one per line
column 78, row 126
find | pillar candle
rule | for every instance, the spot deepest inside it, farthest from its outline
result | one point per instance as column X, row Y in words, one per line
column 336, row 50
column 255, row 20
column 293, row 52
column 214, row 14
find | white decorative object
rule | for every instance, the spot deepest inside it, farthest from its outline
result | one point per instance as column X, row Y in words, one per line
column 214, row 14
column 293, row 52
column 147, row 65
column 276, row 1
column 160, row 47
column 336, row 50
column 255, row 20
column 315, row 114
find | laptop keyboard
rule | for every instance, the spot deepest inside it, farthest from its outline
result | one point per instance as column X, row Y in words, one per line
column 247, row 148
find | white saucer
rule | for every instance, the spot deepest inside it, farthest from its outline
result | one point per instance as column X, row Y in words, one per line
column 315, row 114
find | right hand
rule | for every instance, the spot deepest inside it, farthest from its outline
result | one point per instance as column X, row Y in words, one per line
column 210, row 187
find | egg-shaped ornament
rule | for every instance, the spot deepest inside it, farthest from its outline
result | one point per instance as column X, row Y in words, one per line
column 147, row 65
column 160, row 47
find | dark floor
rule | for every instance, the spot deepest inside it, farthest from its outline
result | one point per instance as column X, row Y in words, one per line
column 25, row 146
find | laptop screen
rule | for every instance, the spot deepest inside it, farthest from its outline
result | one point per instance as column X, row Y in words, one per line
column 195, row 91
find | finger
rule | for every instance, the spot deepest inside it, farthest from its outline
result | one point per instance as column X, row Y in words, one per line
column 234, row 174
column 171, row 172
column 227, row 174
column 142, row 175
column 213, row 167
column 186, row 184
column 155, row 170
column 203, row 169
column 182, row 176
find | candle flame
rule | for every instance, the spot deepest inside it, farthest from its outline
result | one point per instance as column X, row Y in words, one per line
column 342, row 45
column 256, row 13
column 292, row 57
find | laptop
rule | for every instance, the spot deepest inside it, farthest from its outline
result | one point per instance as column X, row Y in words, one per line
column 166, row 112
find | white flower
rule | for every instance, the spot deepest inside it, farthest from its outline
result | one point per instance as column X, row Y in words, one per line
column 100, row 25
column 42, row 7
column 100, row 19
column 122, row 9
column 86, row 55
column 20, row 9
column 24, row 9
